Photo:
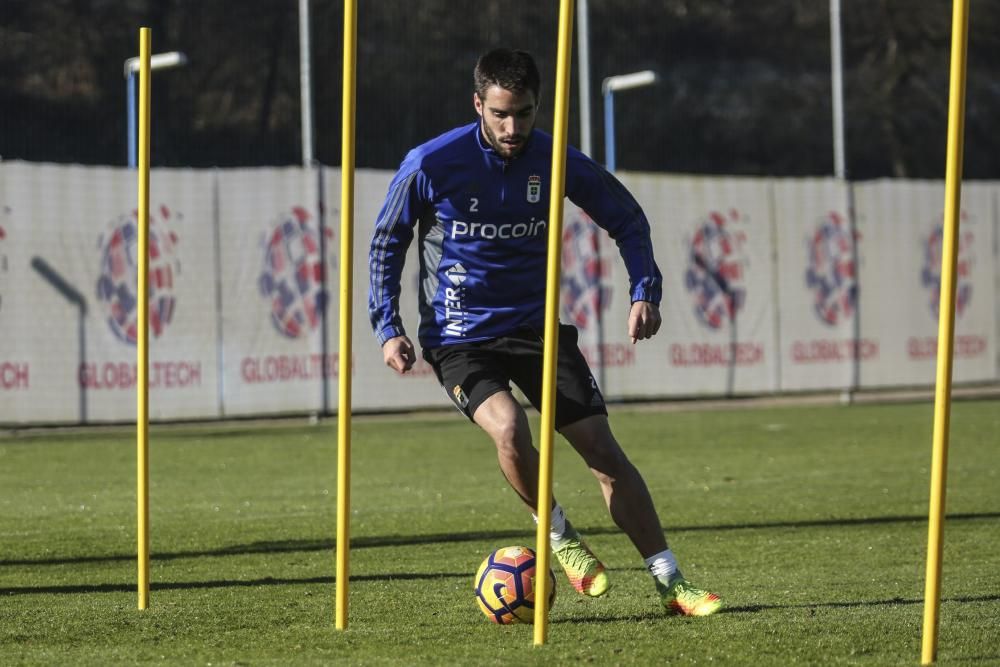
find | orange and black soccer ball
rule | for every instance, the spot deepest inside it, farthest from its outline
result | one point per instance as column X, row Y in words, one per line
column 505, row 586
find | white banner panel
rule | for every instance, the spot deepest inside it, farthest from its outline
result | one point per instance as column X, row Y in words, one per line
column 994, row 193
column 237, row 291
column 55, row 322
column 77, row 240
column 900, row 223
column 33, row 387
column 376, row 386
column 594, row 281
column 183, row 356
column 977, row 325
column 817, row 286
column 713, row 241
column 274, row 359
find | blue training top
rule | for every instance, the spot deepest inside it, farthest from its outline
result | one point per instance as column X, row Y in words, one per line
column 483, row 235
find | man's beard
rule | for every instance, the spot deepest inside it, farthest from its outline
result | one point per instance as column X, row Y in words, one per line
column 504, row 150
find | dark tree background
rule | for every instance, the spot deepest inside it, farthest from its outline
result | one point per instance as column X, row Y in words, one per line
column 745, row 84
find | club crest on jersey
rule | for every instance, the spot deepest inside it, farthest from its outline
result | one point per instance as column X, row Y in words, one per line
column 534, row 189
column 460, row 398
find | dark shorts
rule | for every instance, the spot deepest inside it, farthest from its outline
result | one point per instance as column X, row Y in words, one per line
column 472, row 372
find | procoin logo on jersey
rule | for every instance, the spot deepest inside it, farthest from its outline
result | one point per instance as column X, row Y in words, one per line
column 534, row 189
column 509, row 230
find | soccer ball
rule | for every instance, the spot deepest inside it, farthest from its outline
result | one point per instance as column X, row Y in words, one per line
column 505, row 586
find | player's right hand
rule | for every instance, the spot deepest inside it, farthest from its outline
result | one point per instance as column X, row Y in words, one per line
column 399, row 354
column 643, row 320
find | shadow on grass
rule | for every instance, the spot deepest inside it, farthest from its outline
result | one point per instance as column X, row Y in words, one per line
column 77, row 589
column 851, row 604
column 220, row 583
column 753, row 609
column 287, row 546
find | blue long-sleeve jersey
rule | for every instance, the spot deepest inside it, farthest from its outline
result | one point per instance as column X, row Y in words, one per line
column 483, row 236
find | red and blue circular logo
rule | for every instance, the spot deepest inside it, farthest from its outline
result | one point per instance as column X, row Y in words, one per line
column 832, row 270
column 583, row 297
column 3, row 258
column 930, row 273
column 293, row 274
column 716, row 268
column 117, row 284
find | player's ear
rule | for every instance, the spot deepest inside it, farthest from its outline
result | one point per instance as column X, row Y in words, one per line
column 478, row 103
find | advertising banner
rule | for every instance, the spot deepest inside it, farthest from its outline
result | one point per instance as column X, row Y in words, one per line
column 595, row 298
column 274, row 258
column 376, row 386
column 32, row 319
column 901, row 224
column 71, row 332
column 713, row 242
column 818, row 286
column 766, row 287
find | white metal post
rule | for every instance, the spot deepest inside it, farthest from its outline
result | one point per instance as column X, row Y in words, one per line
column 611, row 85
column 305, row 84
column 156, row 61
column 837, row 78
column 583, row 47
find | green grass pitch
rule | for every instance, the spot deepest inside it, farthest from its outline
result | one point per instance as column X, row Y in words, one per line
column 810, row 522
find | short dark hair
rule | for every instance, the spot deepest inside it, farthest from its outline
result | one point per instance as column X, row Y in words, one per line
column 511, row 69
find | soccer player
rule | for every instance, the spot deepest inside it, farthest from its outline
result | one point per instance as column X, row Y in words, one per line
column 477, row 198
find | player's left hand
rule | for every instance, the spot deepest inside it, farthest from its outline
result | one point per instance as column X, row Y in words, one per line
column 643, row 320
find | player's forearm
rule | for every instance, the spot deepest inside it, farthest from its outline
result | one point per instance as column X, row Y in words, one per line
column 383, row 309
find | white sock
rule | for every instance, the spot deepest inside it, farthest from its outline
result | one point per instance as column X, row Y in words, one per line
column 557, row 526
column 663, row 564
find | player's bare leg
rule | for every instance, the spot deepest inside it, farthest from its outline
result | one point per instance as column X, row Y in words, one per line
column 506, row 423
column 632, row 509
column 624, row 490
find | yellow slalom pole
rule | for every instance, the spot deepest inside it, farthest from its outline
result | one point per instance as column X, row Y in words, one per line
column 142, row 341
column 346, row 310
column 558, row 187
column 946, row 327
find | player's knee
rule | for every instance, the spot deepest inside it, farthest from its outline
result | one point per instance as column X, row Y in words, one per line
column 510, row 440
column 608, row 463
